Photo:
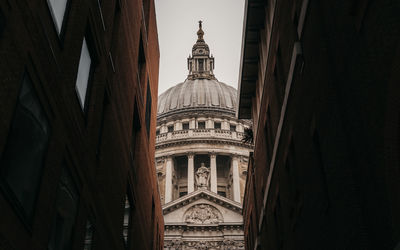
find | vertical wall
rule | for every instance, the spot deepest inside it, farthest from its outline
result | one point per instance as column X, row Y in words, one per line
column 318, row 80
column 78, row 99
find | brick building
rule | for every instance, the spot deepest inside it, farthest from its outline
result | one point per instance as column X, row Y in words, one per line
column 78, row 98
column 320, row 81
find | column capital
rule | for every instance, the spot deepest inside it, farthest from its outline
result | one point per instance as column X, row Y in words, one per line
column 190, row 155
column 212, row 154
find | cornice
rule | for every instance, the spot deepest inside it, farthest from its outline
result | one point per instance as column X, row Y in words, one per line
column 199, row 194
column 187, row 141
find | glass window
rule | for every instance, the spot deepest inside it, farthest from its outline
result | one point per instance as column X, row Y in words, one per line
column 170, row 128
column 57, row 8
column 157, row 132
column 66, row 211
column 185, row 126
column 217, row 125
column 23, row 157
column 2, row 23
column 201, row 125
column 127, row 220
column 148, row 109
column 233, row 127
column 82, row 78
column 89, row 235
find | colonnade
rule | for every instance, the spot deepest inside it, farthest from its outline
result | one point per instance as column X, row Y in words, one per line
column 213, row 176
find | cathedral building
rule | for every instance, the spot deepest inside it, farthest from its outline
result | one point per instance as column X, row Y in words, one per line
column 201, row 159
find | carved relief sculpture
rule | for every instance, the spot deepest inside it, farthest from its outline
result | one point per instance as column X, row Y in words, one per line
column 203, row 214
column 202, row 177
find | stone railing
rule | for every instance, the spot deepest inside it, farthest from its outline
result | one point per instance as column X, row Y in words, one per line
column 200, row 133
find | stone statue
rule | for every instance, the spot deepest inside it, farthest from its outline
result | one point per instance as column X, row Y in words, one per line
column 202, row 177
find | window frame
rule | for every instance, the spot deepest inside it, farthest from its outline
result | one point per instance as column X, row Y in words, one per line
column 5, row 187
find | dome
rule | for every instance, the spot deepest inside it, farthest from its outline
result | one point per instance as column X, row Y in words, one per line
column 198, row 94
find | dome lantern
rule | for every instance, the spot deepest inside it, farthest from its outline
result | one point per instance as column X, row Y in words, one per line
column 200, row 64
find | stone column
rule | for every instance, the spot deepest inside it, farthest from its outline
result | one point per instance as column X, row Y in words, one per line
column 190, row 172
column 213, row 166
column 168, row 179
column 235, row 177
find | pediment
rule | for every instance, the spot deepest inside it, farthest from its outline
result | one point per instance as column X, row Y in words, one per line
column 202, row 207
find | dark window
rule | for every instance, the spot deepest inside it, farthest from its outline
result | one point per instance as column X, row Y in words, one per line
column 182, row 193
column 23, row 157
column 232, row 127
column 217, row 125
column 157, row 132
column 66, row 211
column 170, row 128
column 201, row 66
column 89, row 235
column 222, row 193
column 141, row 62
column 148, row 109
column 135, row 131
column 2, row 23
column 128, row 216
column 201, row 125
column 185, row 126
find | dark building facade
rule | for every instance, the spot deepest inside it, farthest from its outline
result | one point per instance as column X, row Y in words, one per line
column 320, row 80
column 78, row 96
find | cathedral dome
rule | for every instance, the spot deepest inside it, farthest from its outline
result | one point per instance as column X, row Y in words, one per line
column 201, row 91
column 198, row 94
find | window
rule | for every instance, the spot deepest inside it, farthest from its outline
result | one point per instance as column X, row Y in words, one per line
column 185, row 126
column 171, row 128
column 148, row 109
column 157, row 132
column 23, row 157
column 66, row 211
column 182, row 193
column 201, row 66
column 89, row 235
column 57, row 8
column 2, row 23
column 217, row 125
column 141, row 62
column 84, row 69
column 232, row 127
column 201, row 125
column 222, row 193
column 127, row 220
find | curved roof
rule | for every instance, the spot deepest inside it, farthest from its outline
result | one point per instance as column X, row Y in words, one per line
column 197, row 93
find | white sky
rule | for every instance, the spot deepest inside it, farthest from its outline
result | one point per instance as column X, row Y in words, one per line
column 177, row 24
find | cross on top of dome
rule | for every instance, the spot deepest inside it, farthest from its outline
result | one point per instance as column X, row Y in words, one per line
column 200, row 64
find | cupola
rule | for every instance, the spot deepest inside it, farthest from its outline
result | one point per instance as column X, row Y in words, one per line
column 200, row 63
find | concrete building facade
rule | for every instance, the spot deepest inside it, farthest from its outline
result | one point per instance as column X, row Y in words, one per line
column 78, row 97
column 319, row 79
column 201, row 160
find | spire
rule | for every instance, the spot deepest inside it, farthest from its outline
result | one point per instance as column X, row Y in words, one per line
column 200, row 33
column 200, row 64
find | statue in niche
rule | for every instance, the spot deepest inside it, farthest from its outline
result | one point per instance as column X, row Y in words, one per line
column 202, row 177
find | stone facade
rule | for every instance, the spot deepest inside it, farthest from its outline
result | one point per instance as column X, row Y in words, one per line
column 201, row 160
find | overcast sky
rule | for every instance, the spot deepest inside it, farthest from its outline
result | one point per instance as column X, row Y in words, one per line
column 177, row 24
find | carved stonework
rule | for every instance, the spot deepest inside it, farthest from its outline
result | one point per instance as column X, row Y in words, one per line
column 204, row 245
column 203, row 214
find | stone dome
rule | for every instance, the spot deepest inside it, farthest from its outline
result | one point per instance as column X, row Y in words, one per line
column 205, row 94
